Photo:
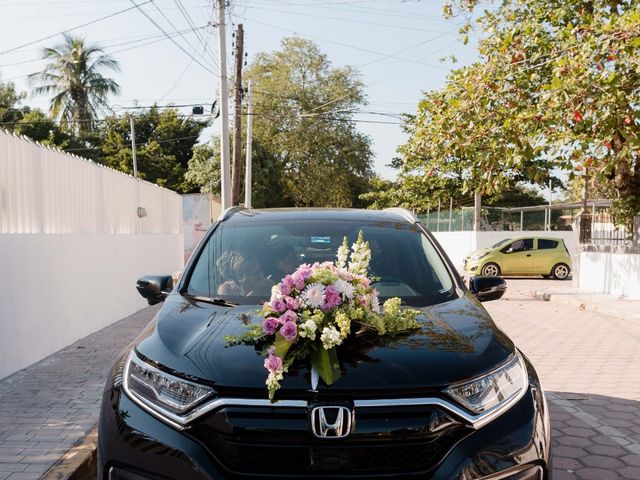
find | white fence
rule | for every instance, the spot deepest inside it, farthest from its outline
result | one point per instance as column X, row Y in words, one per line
column 47, row 191
column 74, row 238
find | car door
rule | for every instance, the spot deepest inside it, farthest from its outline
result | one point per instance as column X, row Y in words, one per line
column 544, row 255
column 517, row 257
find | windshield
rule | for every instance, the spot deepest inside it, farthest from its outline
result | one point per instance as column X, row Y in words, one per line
column 242, row 261
column 501, row 242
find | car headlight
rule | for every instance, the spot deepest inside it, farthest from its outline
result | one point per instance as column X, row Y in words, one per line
column 168, row 397
column 479, row 256
column 497, row 389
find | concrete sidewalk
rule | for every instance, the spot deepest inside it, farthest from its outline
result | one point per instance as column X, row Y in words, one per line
column 606, row 305
column 48, row 407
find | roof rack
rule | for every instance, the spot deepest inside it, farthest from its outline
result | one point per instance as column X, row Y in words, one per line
column 404, row 213
column 226, row 213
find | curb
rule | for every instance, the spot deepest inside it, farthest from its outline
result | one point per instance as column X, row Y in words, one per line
column 78, row 463
column 583, row 303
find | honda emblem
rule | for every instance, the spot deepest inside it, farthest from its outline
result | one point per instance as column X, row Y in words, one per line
column 331, row 421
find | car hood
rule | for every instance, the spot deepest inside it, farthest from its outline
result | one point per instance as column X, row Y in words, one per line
column 457, row 340
column 480, row 251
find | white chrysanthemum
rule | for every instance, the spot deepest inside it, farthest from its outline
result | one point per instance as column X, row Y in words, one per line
column 308, row 330
column 330, row 337
column 313, row 295
column 345, row 288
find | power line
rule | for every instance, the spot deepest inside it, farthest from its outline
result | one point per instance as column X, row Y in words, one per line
column 13, row 49
column 349, row 46
column 156, row 38
column 168, row 140
column 186, row 15
column 169, row 37
column 175, row 29
column 386, row 25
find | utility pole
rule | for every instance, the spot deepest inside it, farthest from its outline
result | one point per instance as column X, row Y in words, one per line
column 237, row 121
column 225, row 183
column 550, row 193
column 248, row 170
column 477, row 211
column 132, row 123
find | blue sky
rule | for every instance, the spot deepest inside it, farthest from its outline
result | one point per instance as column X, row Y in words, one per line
column 396, row 45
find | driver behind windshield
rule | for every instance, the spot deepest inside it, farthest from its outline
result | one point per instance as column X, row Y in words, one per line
column 243, row 275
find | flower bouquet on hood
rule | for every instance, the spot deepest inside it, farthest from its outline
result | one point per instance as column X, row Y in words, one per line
column 316, row 308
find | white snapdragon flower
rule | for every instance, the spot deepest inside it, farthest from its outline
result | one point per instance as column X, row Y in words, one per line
column 313, row 295
column 360, row 256
column 345, row 288
column 343, row 254
column 308, row 330
column 275, row 292
column 330, row 337
column 375, row 302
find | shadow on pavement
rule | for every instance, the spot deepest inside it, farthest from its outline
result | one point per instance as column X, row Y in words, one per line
column 594, row 436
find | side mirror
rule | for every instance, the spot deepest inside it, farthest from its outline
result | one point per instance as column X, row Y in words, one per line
column 154, row 288
column 487, row 288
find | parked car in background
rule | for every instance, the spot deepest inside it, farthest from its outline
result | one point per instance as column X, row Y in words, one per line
column 546, row 256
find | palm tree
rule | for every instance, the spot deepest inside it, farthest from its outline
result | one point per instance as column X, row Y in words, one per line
column 73, row 75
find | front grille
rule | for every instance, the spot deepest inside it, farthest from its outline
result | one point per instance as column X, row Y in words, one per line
column 278, row 441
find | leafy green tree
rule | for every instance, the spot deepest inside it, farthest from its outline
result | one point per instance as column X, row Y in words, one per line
column 73, row 75
column 569, row 73
column 10, row 110
column 303, row 120
column 164, row 146
column 267, row 174
column 36, row 125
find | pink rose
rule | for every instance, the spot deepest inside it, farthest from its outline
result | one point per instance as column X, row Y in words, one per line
column 273, row 362
column 270, row 325
column 288, row 316
column 298, row 281
column 286, row 285
column 278, row 305
column 289, row 331
column 304, row 271
column 292, row 303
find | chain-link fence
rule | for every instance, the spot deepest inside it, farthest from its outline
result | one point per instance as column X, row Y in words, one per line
column 557, row 217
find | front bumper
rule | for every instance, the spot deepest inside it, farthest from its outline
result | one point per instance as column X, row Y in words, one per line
column 470, row 266
column 133, row 445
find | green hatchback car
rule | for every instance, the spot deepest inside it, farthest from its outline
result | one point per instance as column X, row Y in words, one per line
column 548, row 257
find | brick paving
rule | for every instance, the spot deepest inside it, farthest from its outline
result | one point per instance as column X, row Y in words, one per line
column 46, row 408
column 588, row 364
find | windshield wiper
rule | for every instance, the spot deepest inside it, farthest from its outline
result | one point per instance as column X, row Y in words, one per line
column 214, row 301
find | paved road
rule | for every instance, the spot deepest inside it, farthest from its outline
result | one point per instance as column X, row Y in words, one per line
column 589, row 366
column 49, row 406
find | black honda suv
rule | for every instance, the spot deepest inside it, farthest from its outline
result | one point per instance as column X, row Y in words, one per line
column 454, row 399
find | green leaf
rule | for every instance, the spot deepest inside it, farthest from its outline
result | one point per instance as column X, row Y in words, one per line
column 326, row 363
column 282, row 346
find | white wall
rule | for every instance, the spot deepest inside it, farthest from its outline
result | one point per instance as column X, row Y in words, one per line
column 613, row 273
column 72, row 244
column 456, row 244
column 56, row 289
column 459, row 244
